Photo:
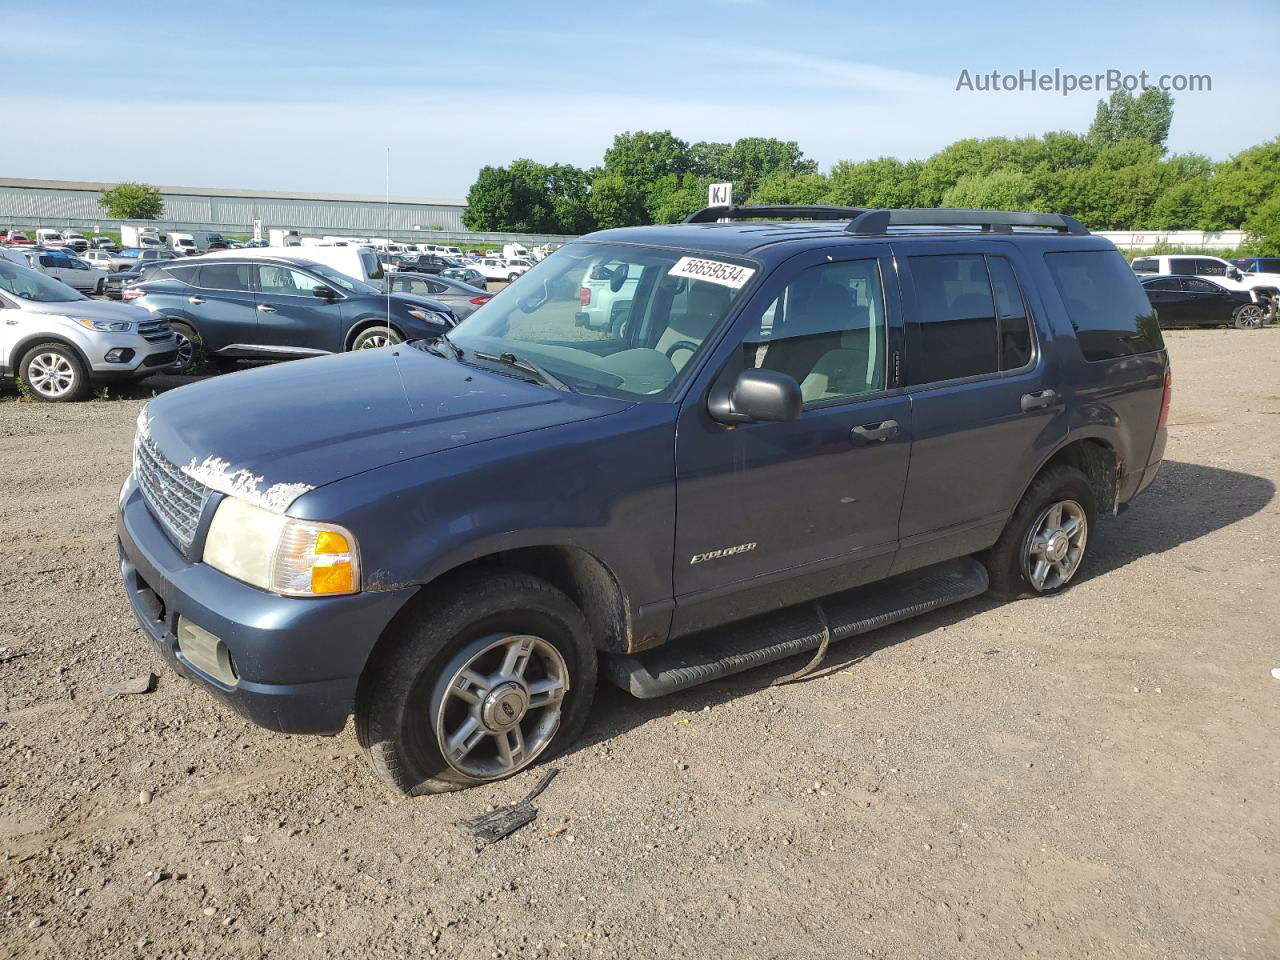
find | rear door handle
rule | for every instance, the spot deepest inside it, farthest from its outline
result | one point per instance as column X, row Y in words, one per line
column 1038, row 401
column 874, row 432
column 196, row 301
column 263, row 308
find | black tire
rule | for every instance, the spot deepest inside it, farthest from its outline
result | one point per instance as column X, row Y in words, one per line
column 190, row 345
column 512, row 277
column 398, row 707
column 1249, row 317
column 54, row 373
column 377, row 336
column 1008, row 564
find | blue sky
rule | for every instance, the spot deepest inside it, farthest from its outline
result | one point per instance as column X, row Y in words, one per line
column 308, row 96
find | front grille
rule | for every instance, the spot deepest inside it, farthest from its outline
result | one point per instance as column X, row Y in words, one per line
column 161, row 359
column 176, row 500
column 154, row 331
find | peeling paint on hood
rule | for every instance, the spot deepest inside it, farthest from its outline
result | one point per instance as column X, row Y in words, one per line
column 217, row 474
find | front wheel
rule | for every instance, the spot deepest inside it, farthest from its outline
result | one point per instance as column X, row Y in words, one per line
column 486, row 680
column 371, row 338
column 54, row 372
column 1046, row 540
column 1249, row 317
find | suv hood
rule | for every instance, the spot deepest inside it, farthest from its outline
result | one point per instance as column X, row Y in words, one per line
column 89, row 309
column 270, row 435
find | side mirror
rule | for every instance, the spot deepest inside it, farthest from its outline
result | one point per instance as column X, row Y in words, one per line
column 323, row 292
column 756, row 395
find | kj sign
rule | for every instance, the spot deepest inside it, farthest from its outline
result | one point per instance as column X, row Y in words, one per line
column 720, row 195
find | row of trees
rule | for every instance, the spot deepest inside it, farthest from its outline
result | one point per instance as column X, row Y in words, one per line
column 1116, row 176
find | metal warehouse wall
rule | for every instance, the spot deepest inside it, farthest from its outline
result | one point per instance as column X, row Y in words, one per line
column 34, row 205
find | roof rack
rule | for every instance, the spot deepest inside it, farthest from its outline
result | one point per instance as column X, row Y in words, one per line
column 868, row 223
column 877, row 222
column 783, row 211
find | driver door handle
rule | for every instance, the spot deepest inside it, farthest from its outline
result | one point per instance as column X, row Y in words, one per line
column 874, row 432
column 1037, row 401
column 195, row 301
column 264, row 308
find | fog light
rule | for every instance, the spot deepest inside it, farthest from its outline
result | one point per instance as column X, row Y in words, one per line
column 206, row 652
column 119, row 355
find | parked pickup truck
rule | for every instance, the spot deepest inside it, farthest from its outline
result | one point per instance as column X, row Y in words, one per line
column 795, row 436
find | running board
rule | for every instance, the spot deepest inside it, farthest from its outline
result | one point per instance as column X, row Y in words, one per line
column 730, row 649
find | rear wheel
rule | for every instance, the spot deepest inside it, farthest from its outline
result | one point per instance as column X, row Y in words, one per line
column 488, row 680
column 370, row 338
column 1249, row 317
column 53, row 372
column 511, row 277
column 1046, row 540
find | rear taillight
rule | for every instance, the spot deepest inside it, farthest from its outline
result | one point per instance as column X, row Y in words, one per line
column 128, row 293
column 1164, row 401
column 584, row 296
column 479, row 300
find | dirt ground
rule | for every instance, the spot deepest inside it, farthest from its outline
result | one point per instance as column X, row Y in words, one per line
column 1095, row 775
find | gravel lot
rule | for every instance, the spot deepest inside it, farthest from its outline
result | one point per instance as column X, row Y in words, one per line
column 1094, row 775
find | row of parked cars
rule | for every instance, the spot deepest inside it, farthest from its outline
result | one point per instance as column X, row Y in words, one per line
column 218, row 308
column 1203, row 291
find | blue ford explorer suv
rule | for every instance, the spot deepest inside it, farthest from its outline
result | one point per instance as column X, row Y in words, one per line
column 802, row 424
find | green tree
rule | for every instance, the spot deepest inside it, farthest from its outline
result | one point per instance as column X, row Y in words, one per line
column 529, row 197
column 1242, row 185
column 645, row 156
column 1126, row 117
column 884, row 182
column 132, row 201
column 616, row 202
column 673, row 197
column 754, row 158
column 784, row 187
column 999, row 190
column 1263, row 229
column 714, row 161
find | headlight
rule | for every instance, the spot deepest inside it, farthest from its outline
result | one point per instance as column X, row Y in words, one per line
column 427, row 316
column 297, row 558
column 106, row 326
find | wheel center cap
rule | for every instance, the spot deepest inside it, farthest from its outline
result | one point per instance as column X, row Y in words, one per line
column 504, row 707
column 1057, row 547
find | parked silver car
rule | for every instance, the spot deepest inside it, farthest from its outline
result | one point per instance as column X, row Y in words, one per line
column 460, row 297
column 59, row 342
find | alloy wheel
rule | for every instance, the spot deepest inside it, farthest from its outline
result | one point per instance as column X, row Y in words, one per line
column 1055, row 545
column 51, row 375
column 497, row 705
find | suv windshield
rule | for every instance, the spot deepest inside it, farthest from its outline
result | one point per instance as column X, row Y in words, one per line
column 612, row 319
column 30, row 285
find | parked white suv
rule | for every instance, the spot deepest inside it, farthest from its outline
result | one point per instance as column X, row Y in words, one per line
column 60, row 342
column 1264, row 288
column 495, row 268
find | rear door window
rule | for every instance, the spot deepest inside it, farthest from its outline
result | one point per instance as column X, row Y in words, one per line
column 1183, row 266
column 952, row 333
column 224, row 276
column 1108, row 309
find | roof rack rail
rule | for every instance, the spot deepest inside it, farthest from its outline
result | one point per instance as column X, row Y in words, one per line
column 784, row 211
column 877, row 222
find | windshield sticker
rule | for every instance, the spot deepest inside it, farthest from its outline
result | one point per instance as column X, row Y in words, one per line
column 713, row 271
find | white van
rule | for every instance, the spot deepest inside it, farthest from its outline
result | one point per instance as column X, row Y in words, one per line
column 183, row 243
column 358, row 262
column 45, row 236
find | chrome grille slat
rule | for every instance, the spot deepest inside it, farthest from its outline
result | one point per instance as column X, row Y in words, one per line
column 153, row 331
column 177, row 501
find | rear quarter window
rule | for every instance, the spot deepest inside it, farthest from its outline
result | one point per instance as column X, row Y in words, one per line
column 1108, row 309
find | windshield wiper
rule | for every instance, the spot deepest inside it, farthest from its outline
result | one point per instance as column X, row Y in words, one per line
column 528, row 366
column 454, row 349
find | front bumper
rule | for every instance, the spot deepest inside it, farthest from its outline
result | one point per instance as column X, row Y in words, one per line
column 298, row 659
column 147, row 357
